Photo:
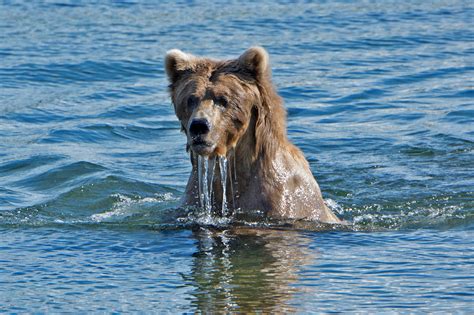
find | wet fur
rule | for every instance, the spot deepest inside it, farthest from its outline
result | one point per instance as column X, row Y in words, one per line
column 272, row 175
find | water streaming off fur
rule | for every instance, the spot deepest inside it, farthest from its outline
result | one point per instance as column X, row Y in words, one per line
column 223, row 171
column 93, row 164
column 204, row 185
column 206, row 175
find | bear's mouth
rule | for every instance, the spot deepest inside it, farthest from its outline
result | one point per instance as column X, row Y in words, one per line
column 201, row 146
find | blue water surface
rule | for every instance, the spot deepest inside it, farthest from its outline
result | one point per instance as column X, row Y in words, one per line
column 92, row 164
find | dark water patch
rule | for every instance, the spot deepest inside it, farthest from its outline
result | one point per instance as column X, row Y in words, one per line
column 146, row 133
column 65, row 5
column 9, row 198
column 468, row 93
column 426, row 75
column 136, row 155
column 131, row 112
column 122, row 93
column 369, row 94
column 364, row 72
column 36, row 116
column 454, row 141
column 420, row 151
column 402, row 118
column 87, row 134
column 4, row 52
column 333, row 113
column 103, row 133
column 302, row 93
column 60, row 176
column 461, row 116
column 23, row 165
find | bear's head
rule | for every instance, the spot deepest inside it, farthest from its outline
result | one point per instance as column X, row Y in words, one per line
column 218, row 102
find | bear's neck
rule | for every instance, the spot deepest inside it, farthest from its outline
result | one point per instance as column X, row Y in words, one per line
column 254, row 158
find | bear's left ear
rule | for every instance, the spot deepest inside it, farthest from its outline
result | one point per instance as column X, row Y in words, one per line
column 177, row 62
column 256, row 61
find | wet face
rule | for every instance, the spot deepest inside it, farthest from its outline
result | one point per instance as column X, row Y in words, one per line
column 214, row 108
column 214, row 100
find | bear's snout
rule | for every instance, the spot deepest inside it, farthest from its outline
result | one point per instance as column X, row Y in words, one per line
column 199, row 127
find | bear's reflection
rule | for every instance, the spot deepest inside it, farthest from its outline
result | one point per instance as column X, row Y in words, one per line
column 247, row 270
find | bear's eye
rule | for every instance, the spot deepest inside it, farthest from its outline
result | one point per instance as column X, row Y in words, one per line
column 221, row 101
column 192, row 101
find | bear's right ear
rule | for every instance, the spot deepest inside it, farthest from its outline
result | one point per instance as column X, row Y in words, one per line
column 177, row 62
column 256, row 61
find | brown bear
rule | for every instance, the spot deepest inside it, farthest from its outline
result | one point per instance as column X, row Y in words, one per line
column 230, row 111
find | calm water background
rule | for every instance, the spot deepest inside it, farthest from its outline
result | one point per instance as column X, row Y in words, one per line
column 92, row 163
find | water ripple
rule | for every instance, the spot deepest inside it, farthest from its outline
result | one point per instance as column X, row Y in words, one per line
column 84, row 72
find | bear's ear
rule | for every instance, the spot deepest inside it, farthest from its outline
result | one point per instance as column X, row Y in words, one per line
column 256, row 61
column 177, row 62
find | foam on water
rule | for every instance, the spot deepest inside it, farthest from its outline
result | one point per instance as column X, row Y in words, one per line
column 126, row 207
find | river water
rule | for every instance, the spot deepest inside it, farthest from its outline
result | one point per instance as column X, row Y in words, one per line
column 92, row 164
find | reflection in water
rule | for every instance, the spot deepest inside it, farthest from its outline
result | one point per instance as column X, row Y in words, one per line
column 247, row 270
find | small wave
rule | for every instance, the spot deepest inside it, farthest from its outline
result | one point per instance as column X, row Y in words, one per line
column 127, row 207
column 161, row 211
column 126, row 211
column 408, row 215
column 55, row 177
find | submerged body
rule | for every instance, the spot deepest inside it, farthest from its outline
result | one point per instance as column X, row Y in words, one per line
column 231, row 113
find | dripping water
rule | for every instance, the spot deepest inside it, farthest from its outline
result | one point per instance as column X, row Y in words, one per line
column 204, row 191
column 212, row 168
column 205, row 177
column 206, row 168
column 223, row 169
column 200, row 188
column 231, row 182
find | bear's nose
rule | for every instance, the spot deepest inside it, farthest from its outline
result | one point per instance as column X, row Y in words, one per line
column 199, row 127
